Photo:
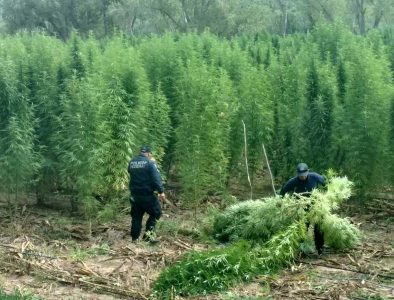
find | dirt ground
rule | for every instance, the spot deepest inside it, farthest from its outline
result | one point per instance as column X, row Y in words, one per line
column 52, row 255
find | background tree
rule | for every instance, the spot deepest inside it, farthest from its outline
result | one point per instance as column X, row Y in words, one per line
column 225, row 18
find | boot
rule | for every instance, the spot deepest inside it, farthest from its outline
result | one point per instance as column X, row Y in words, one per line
column 150, row 237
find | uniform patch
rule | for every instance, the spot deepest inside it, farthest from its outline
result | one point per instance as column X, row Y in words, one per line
column 138, row 164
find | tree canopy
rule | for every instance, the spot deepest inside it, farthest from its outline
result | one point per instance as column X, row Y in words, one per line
column 224, row 18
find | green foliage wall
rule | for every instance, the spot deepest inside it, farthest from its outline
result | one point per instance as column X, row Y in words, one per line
column 74, row 112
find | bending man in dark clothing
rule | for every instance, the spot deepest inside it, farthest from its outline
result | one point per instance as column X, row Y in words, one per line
column 144, row 181
column 303, row 184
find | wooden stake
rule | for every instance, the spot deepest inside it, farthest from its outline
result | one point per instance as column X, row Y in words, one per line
column 246, row 162
column 269, row 170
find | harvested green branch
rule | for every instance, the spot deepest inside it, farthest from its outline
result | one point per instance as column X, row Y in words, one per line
column 268, row 234
column 216, row 270
column 339, row 233
column 257, row 220
column 282, row 248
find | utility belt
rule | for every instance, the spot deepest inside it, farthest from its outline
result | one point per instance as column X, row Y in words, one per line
column 141, row 193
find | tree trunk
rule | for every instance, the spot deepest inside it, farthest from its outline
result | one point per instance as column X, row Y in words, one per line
column 378, row 17
column 104, row 10
column 360, row 16
column 283, row 8
column 327, row 13
column 186, row 15
column 133, row 23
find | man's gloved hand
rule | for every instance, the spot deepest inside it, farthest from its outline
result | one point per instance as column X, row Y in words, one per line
column 162, row 197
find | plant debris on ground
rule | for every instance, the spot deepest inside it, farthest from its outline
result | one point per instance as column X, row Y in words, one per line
column 106, row 265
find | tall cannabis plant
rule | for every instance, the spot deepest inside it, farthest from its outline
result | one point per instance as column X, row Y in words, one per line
column 125, row 94
column 80, row 139
column 158, row 125
column 318, row 116
column 18, row 157
column 202, row 145
column 46, row 81
column 163, row 67
column 366, row 119
column 255, row 109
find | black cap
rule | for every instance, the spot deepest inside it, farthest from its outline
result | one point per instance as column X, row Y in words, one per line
column 302, row 169
column 145, row 149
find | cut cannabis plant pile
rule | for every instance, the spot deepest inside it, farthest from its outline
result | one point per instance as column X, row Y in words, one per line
column 267, row 235
column 217, row 270
column 257, row 220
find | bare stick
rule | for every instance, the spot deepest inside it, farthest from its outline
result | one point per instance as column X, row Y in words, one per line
column 246, row 161
column 388, row 276
column 269, row 170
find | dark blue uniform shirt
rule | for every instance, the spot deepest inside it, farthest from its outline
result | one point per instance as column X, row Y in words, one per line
column 296, row 185
column 144, row 176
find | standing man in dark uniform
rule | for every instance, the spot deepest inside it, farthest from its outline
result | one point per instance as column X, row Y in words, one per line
column 145, row 179
column 303, row 184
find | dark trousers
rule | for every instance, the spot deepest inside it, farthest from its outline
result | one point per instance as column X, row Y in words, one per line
column 139, row 206
column 319, row 238
column 317, row 233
